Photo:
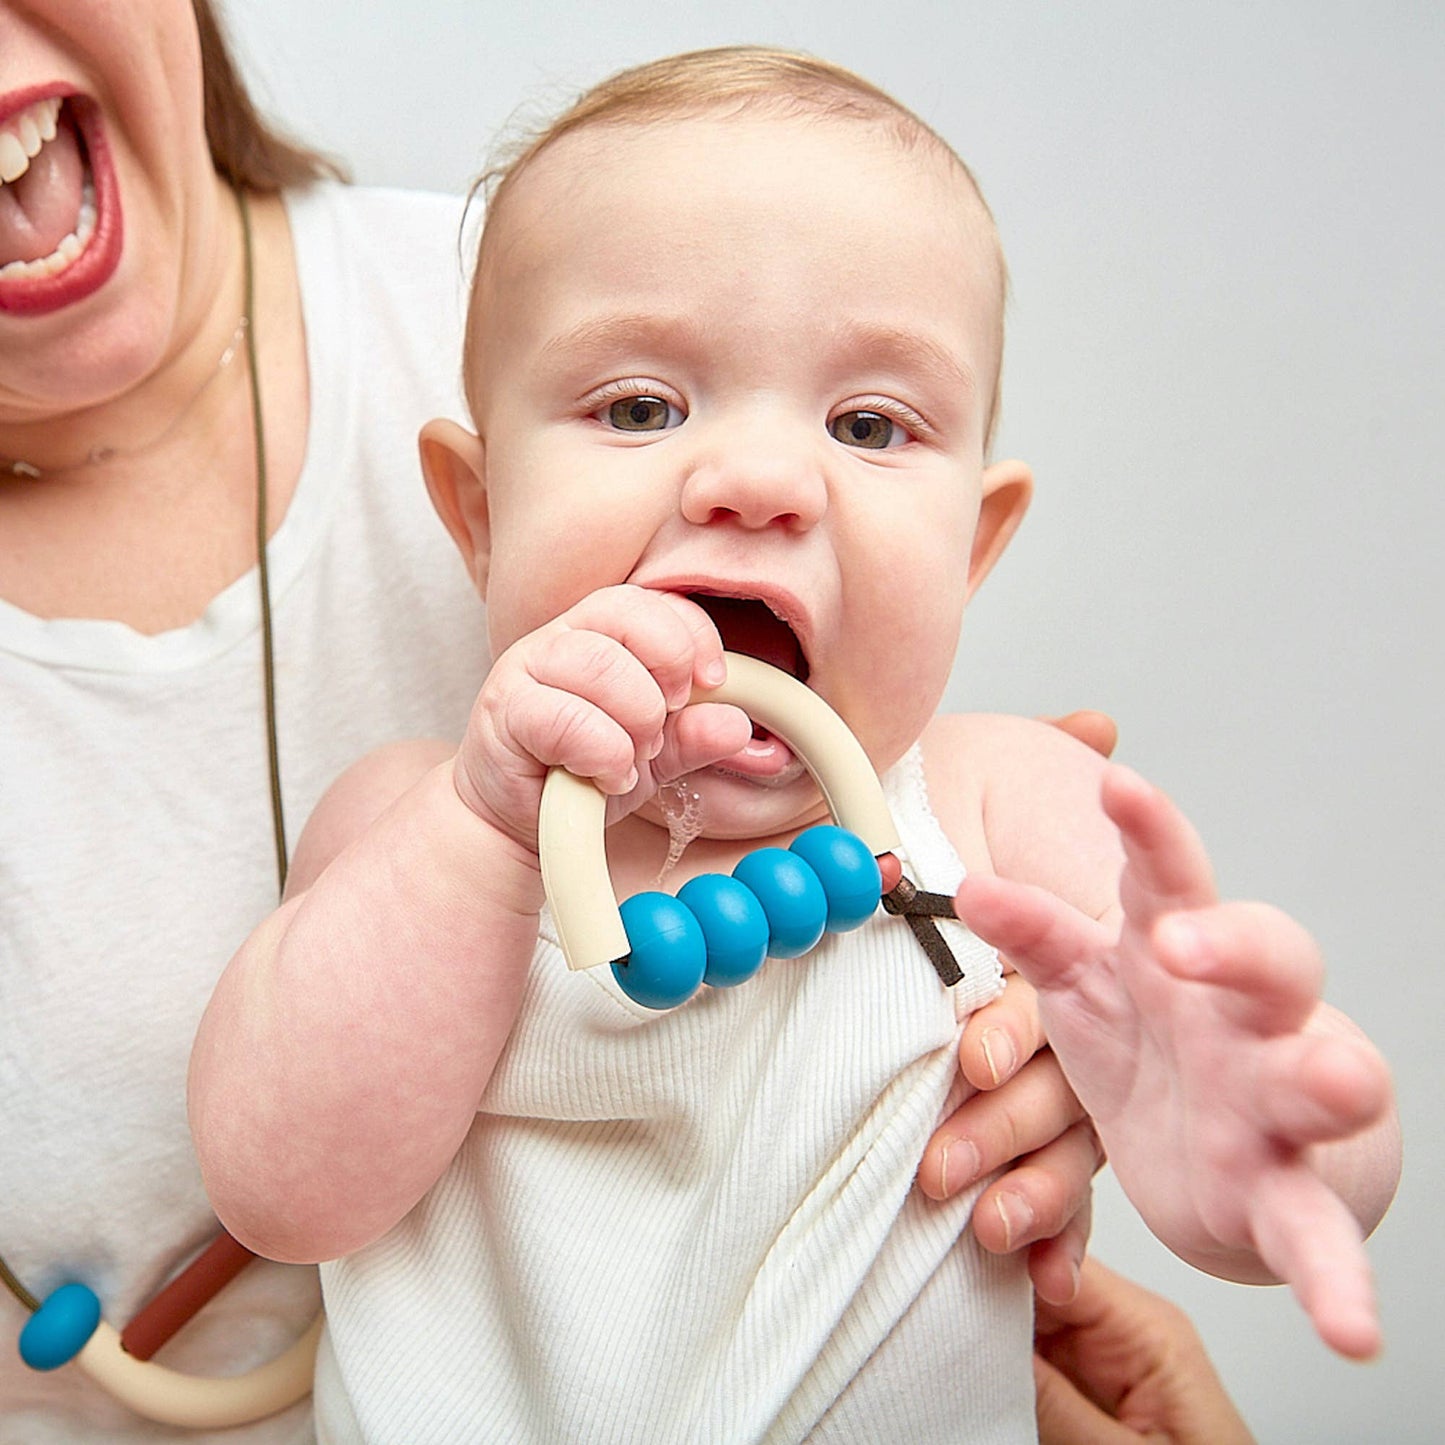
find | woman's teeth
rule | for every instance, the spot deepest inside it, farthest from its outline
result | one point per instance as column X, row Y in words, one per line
column 69, row 248
column 22, row 136
column 21, row 140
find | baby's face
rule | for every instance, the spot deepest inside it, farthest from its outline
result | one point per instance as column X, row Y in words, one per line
column 747, row 358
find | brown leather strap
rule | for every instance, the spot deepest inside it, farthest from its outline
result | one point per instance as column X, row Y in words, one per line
column 918, row 909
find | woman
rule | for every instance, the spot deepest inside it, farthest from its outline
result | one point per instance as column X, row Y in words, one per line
column 137, row 842
column 206, row 340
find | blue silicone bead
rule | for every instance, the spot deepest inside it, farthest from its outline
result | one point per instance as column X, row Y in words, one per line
column 59, row 1330
column 847, row 870
column 733, row 924
column 792, row 898
column 668, row 954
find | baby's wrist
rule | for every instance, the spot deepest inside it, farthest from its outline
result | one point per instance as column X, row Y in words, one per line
column 492, row 865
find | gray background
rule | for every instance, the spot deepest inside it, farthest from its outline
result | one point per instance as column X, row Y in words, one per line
column 1225, row 363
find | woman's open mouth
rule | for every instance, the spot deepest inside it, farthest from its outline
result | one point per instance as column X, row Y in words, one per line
column 60, row 226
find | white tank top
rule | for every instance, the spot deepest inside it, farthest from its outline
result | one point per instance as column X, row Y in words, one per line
column 135, row 827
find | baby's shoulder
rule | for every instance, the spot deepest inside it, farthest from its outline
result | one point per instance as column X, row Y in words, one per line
column 1019, row 797
column 975, row 756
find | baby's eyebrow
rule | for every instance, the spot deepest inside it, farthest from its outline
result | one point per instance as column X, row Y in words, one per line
column 908, row 352
column 643, row 332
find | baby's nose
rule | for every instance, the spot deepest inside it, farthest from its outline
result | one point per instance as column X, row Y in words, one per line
column 758, row 487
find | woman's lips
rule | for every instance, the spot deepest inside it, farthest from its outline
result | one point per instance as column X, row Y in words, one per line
column 68, row 174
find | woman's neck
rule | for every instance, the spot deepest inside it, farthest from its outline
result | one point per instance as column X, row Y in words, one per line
column 151, row 535
column 57, row 440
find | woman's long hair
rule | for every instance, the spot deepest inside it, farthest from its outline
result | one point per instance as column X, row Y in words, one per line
column 245, row 148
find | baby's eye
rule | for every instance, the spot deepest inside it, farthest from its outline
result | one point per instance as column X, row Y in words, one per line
column 640, row 413
column 869, row 429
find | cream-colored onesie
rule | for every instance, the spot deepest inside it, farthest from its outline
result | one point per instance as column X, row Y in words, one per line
column 700, row 1225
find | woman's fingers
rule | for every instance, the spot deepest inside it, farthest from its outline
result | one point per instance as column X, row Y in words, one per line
column 990, row 1129
column 1054, row 1264
column 1039, row 1197
column 1001, row 1036
column 1095, row 730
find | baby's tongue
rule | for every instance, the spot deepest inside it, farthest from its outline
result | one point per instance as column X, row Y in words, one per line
column 41, row 208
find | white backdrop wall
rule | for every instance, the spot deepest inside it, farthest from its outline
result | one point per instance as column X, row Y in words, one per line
column 1226, row 338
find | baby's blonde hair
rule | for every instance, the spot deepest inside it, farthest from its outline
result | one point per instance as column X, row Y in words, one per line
column 700, row 82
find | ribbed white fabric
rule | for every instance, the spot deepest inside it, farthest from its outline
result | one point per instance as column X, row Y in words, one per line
column 699, row 1226
column 135, row 832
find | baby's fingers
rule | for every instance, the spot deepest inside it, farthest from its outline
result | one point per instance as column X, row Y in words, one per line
column 594, row 708
column 1052, row 944
column 1166, row 866
column 673, row 639
column 1313, row 1090
column 1307, row 1237
column 1267, row 960
column 698, row 736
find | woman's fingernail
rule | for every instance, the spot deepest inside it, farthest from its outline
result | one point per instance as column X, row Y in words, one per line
column 1017, row 1217
column 998, row 1054
column 958, row 1166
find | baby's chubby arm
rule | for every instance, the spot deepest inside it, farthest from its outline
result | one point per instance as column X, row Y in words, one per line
column 1252, row 1125
column 343, row 1055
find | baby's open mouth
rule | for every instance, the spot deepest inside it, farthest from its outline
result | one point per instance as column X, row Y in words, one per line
column 751, row 627
column 47, row 197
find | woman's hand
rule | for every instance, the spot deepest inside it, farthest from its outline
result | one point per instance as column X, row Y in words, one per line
column 1026, row 1112
column 1119, row 1364
column 1042, row 1204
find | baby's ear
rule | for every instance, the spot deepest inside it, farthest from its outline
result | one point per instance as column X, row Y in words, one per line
column 453, row 461
column 1008, row 488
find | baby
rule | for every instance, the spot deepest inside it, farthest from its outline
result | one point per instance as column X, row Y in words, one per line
column 733, row 363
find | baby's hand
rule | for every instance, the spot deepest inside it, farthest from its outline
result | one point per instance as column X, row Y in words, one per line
column 1189, row 1029
column 602, row 691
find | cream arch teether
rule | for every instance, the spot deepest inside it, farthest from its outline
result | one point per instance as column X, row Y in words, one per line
column 571, row 823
